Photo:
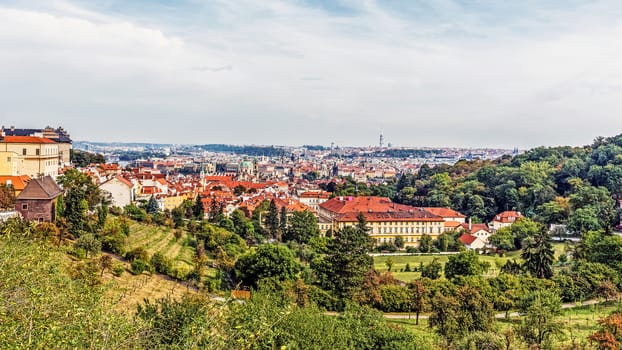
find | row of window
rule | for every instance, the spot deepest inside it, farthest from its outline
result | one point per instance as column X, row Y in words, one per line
column 392, row 239
column 410, row 223
column 47, row 151
column 405, row 230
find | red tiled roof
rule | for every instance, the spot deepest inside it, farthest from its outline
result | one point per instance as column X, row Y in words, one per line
column 467, row 239
column 26, row 139
column 18, row 182
column 508, row 216
column 444, row 212
column 475, row 227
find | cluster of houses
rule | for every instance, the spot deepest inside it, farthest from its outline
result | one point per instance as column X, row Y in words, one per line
column 31, row 159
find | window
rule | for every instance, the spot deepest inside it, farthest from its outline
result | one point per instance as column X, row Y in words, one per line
column 24, row 206
column 23, row 151
column 37, row 151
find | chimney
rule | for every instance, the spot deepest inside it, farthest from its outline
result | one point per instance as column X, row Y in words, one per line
column 470, row 225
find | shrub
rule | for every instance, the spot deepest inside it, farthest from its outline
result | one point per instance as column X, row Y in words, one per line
column 118, row 270
column 138, row 266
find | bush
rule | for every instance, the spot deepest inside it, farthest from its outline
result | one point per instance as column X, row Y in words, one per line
column 137, row 253
column 118, row 270
column 160, row 263
column 386, row 247
column 412, row 250
column 138, row 266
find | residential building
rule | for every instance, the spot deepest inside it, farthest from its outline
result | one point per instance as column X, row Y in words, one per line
column 313, row 199
column 504, row 219
column 39, row 155
column 17, row 182
column 59, row 136
column 37, row 201
column 120, row 189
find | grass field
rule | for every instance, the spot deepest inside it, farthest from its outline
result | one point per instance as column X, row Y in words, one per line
column 400, row 261
column 162, row 239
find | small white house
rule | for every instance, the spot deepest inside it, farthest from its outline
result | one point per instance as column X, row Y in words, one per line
column 121, row 191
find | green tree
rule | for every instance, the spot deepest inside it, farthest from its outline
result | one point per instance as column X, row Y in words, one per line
column 432, row 270
column 425, row 245
column 465, row 263
column 268, row 260
column 419, row 298
column 7, row 197
column 399, row 242
column 152, row 206
column 198, row 210
column 282, row 221
column 81, row 195
column 89, row 243
column 541, row 308
column 302, row 227
column 272, row 220
column 539, row 255
column 342, row 270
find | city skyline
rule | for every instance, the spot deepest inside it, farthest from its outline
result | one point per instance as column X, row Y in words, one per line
column 430, row 74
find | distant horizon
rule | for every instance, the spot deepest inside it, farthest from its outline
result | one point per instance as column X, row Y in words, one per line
column 426, row 73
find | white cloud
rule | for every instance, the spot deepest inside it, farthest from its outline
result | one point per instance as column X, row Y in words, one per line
column 278, row 72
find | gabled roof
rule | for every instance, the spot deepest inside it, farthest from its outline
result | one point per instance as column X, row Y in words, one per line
column 42, row 188
column 467, row 239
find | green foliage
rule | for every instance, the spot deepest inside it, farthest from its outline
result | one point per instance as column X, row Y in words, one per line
column 342, row 270
column 538, row 255
column 89, row 243
column 138, row 266
column 267, row 261
column 152, row 206
column 539, row 326
column 81, row 195
column 272, row 220
column 82, row 159
column 43, row 306
column 188, row 323
column 302, row 227
column 465, row 263
column 198, row 210
column 161, row 263
column 432, row 270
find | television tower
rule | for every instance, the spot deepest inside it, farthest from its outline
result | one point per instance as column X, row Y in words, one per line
column 381, row 139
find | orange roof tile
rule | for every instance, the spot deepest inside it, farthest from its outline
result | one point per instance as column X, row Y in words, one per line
column 26, row 139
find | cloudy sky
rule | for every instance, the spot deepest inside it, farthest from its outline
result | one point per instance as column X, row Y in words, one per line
column 427, row 73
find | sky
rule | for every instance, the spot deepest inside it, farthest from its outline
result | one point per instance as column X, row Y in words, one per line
column 452, row 73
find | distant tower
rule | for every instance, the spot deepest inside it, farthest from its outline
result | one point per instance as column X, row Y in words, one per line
column 381, row 139
column 332, row 147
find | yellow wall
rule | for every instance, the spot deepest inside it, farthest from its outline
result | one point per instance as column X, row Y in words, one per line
column 33, row 165
column 385, row 232
column 171, row 203
column 10, row 163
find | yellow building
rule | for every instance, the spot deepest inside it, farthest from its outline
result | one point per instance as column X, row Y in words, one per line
column 39, row 156
column 386, row 220
column 173, row 202
column 10, row 163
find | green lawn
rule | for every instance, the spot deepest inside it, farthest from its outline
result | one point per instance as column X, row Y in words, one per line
column 161, row 239
column 400, row 261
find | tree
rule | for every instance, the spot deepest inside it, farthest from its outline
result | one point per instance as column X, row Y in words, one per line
column 282, row 221
column 418, row 298
column 342, row 270
column 389, row 262
column 541, row 308
column 7, row 197
column 268, row 260
column 503, row 239
column 399, row 242
column 610, row 333
column 539, row 255
column 152, row 206
column 198, row 210
column 432, row 270
column 465, row 263
column 105, row 263
column 81, row 194
column 302, row 227
column 272, row 220
column 425, row 245
column 89, row 243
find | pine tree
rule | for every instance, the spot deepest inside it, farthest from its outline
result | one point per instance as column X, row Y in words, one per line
column 198, row 209
column 152, row 205
column 272, row 219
